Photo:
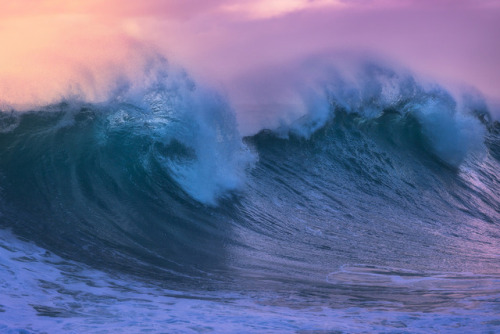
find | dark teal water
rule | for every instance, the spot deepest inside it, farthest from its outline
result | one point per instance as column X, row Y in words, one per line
column 381, row 215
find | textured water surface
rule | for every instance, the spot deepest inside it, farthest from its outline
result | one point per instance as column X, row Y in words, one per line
column 376, row 211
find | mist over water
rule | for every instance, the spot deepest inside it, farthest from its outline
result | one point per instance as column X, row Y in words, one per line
column 371, row 189
column 268, row 175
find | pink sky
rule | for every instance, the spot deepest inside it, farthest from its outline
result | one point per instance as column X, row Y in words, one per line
column 48, row 46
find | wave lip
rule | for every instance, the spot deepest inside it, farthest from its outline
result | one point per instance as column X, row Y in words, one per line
column 161, row 171
column 451, row 125
column 136, row 177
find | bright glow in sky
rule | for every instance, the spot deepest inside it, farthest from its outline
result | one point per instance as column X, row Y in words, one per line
column 275, row 8
column 54, row 47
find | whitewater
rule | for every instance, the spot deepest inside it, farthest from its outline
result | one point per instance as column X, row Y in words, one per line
column 364, row 199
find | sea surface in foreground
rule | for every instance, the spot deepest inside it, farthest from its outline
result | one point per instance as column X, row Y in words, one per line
column 377, row 211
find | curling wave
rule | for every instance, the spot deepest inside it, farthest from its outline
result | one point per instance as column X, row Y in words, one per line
column 159, row 179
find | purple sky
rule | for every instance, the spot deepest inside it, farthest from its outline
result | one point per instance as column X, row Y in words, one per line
column 48, row 44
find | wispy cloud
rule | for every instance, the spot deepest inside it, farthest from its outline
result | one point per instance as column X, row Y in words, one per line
column 48, row 43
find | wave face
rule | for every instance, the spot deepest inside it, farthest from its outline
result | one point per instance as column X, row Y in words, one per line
column 381, row 184
column 119, row 176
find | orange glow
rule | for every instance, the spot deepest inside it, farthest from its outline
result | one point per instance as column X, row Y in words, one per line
column 49, row 47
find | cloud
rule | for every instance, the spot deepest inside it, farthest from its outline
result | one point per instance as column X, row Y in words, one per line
column 275, row 8
column 50, row 45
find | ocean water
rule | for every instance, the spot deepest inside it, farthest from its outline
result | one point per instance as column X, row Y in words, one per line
column 377, row 210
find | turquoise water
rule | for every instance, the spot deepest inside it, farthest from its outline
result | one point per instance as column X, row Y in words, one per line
column 376, row 211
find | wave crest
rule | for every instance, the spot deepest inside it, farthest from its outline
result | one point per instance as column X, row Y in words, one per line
column 451, row 125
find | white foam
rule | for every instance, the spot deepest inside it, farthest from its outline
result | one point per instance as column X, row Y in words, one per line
column 42, row 292
column 172, row 107
column 322, row 86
